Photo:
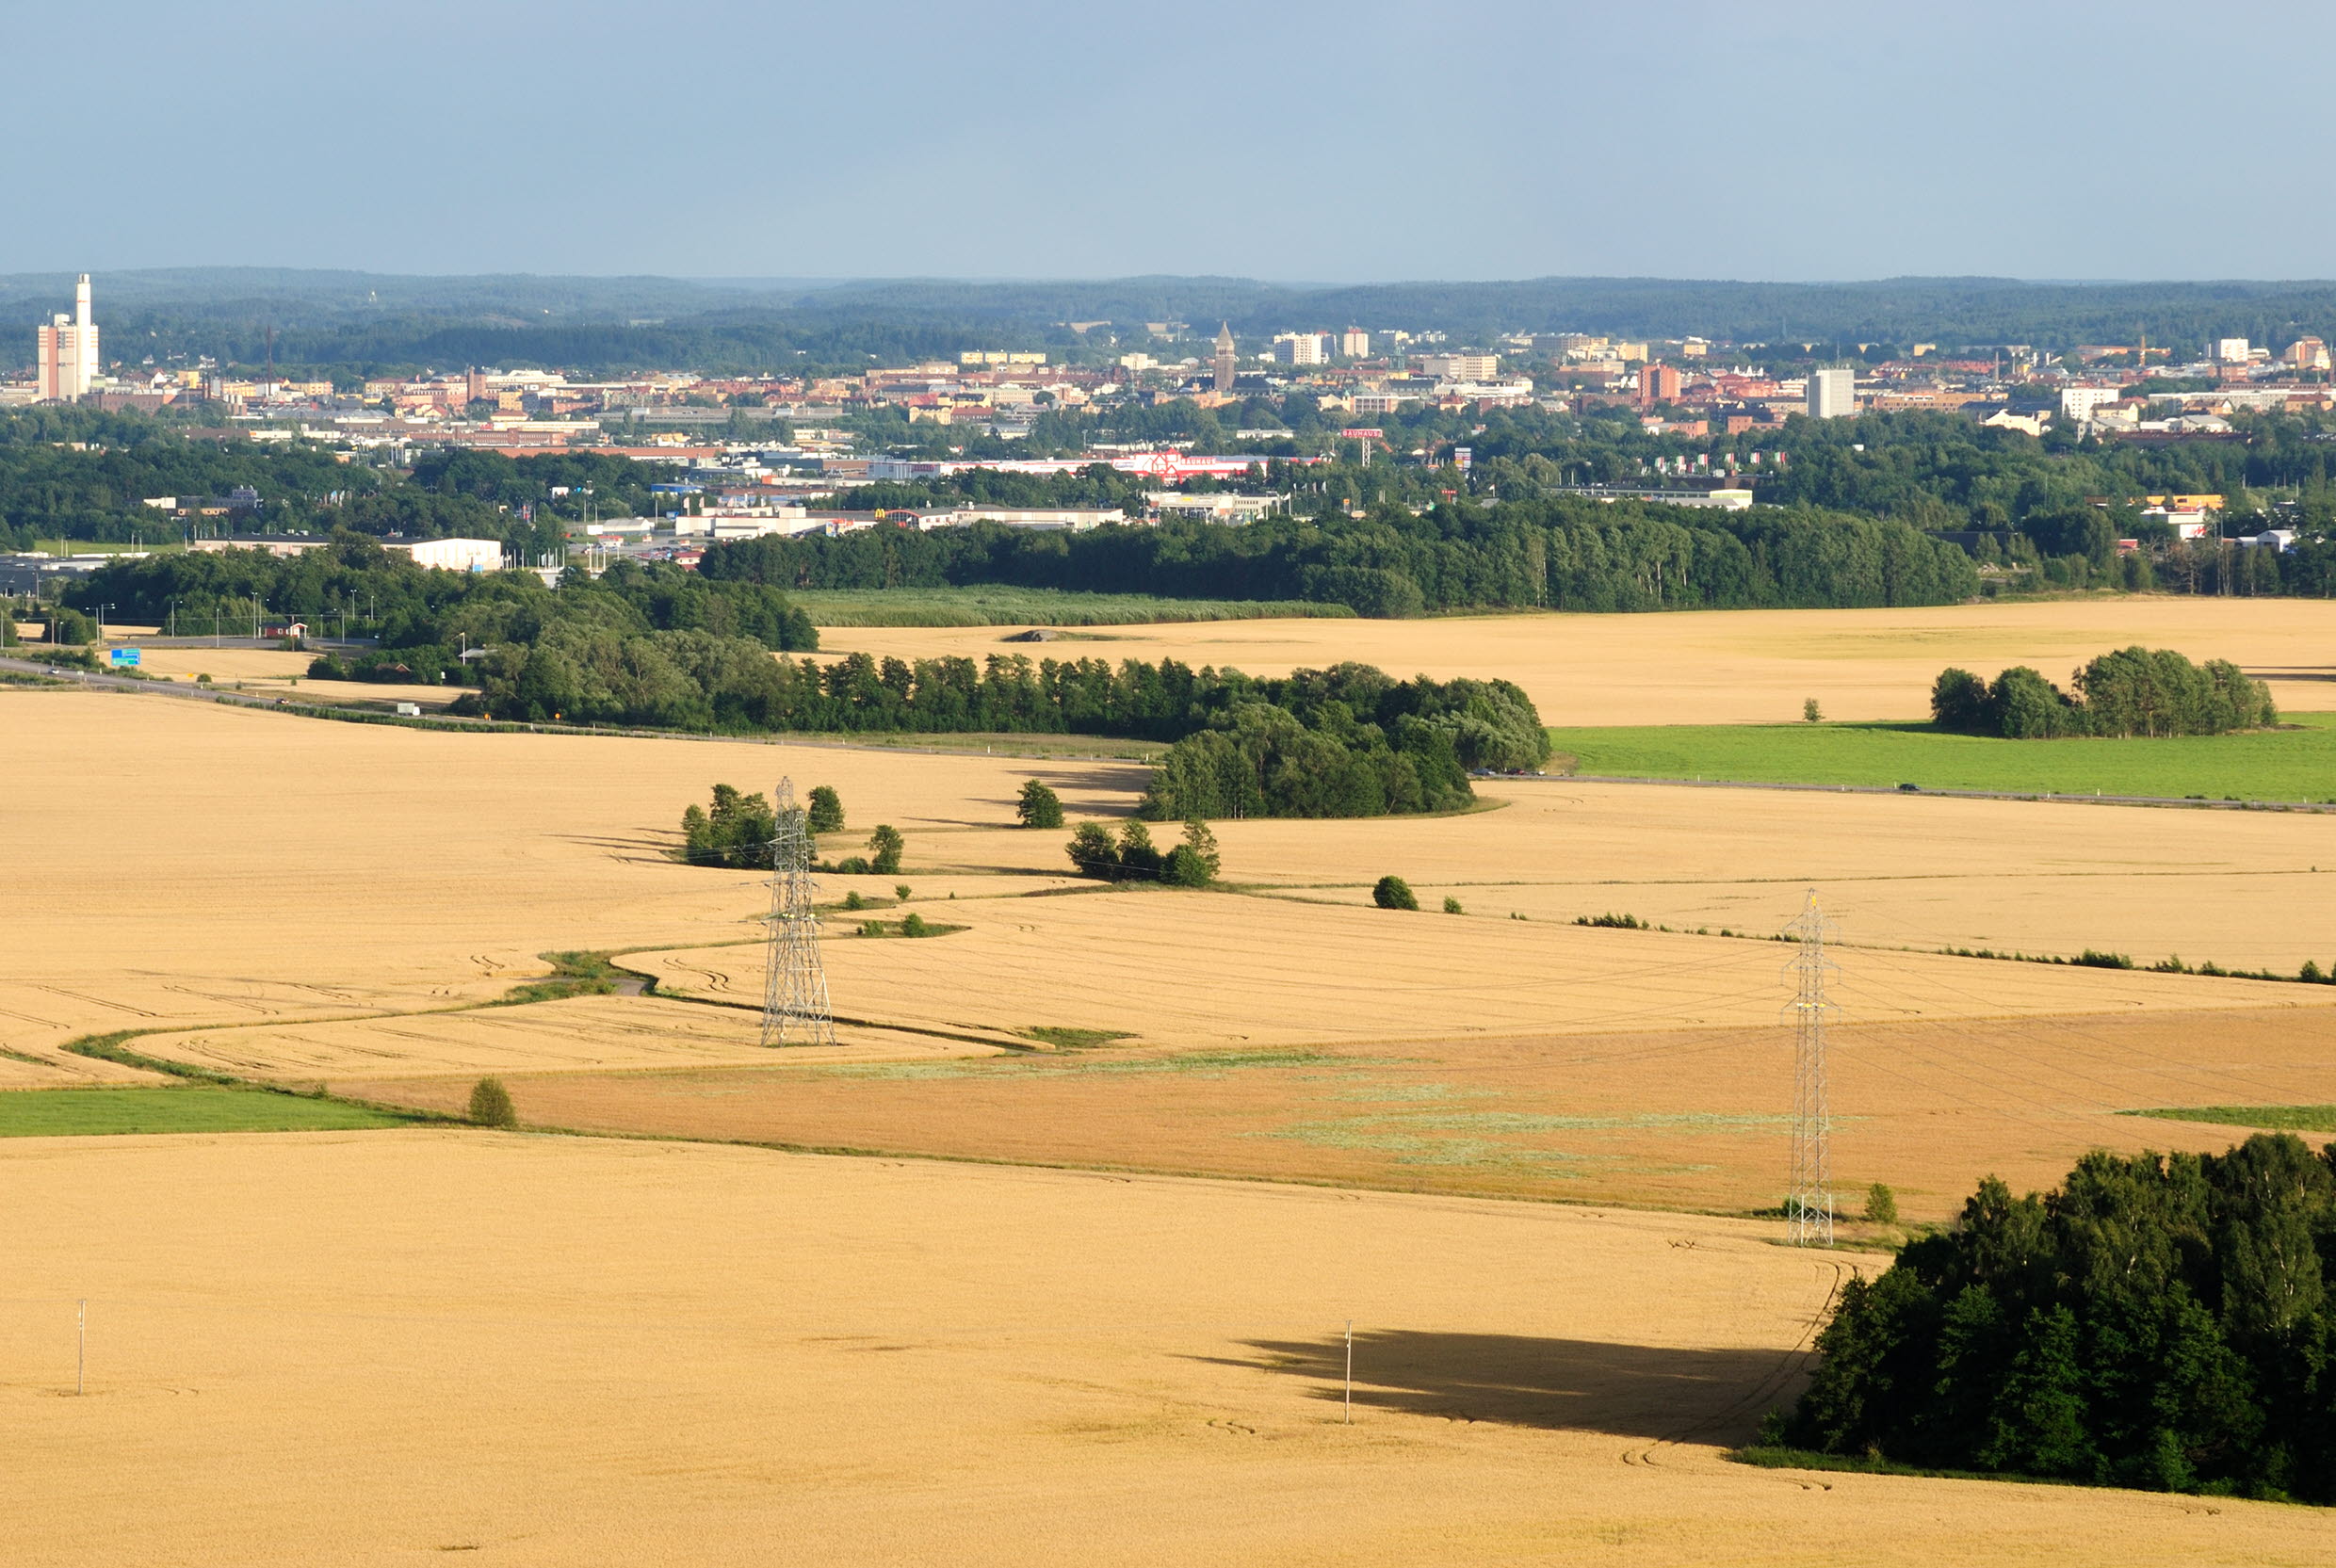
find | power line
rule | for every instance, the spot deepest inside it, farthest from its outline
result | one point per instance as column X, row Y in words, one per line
column 1809, row 1208
column 795, row 1006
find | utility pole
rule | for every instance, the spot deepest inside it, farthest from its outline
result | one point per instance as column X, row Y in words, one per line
column 795, row 1008
column 1809, row 1207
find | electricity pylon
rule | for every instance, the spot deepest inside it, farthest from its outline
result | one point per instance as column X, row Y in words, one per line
column 1809, row 1208
column 794, row 999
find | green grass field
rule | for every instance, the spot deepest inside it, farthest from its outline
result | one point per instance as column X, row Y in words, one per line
column 198, row 1108
column 2318, row 1119
column 2294, row 764
column 991, row 606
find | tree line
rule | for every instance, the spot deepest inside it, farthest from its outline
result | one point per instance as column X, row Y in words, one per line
column 425, row 619
column 2131, row 691
column 2159, row 1321
column 74, row 473
column 1554, row 551
column 597, row 674
column 1348, row 741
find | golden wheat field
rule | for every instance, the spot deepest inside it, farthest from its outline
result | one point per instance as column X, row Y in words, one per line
column 268, row 672
column 2243, row 890
column 1691, row 1119
column 369, row 1346
column 384, row 1347
column 1720, row 667
column 197, row 864
column 574, row 1034
column 1211, row 969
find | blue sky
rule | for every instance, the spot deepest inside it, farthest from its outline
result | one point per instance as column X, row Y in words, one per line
column 2055, row 138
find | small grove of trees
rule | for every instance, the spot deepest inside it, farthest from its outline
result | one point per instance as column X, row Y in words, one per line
column 1132, row 855
column 2160, row 1321
column 736, row 834
column 826, row 812
column 1268, row 762
column 884, row 846
column 1039, row 806
column 70, row 627
column 2132, row 691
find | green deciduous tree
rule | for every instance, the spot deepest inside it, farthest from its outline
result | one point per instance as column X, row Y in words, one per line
column 1194, row 861
column 883, row 849
column 2159, row 1321
column 1092, row 850
column 1394, row 893
column 736, row 833
column 825, row 814
column 491, row 1105
column 1039, row 806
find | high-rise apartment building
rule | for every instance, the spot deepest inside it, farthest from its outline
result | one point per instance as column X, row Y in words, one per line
column 1225, row 370
column 1658, row 383
column 1832, row 393
column 1299, row 348
column 1355, row 343
column 66, row 349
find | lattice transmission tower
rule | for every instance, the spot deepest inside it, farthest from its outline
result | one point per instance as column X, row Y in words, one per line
column 794, row 999
column 1809, row 1207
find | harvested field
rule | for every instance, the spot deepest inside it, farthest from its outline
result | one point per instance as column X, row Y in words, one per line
column 1680, row 1118
column 1204, row 969
column 374, row 1348
column 2246, row 890
column 194, row 864
column 582, row 1033
column 269, row 671
column 1720, row 667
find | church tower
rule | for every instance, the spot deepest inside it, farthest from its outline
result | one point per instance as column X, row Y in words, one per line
column 1225, row 360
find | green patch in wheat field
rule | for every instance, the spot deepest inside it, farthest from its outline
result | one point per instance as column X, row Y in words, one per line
column 2315, row 1118
column 196, row 1108
column 2294, row 763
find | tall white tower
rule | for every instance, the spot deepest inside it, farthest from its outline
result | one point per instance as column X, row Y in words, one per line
column 67, row 348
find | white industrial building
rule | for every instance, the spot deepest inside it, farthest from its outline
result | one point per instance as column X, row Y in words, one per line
column 450, row 555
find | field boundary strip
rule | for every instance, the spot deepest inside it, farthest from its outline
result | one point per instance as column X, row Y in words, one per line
column 2038, row 797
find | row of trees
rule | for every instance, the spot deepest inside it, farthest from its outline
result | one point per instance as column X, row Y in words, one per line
column 737, row 830
column 1132, row 855
column 2159, row 1321
column 2132, row 691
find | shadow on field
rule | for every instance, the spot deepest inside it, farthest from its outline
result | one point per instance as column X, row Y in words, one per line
column 1577, row 1385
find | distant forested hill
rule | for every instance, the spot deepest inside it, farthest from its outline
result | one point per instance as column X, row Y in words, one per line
column 369, row 321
